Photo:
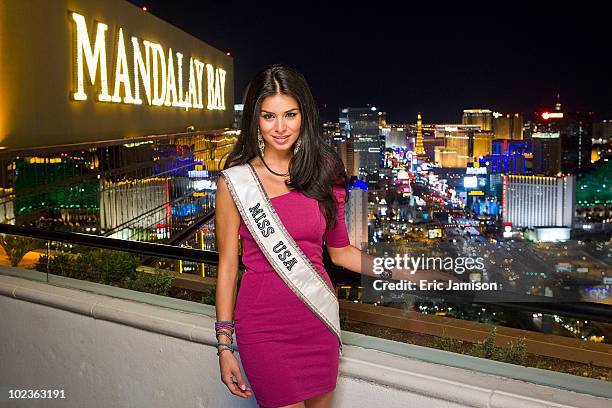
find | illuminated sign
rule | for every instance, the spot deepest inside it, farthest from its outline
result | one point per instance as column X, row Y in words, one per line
column 476, row 170
column 552, row 115
column 198, row 173
column 476, row 193
column 545, row 135
column 157, row 71
column 434, row 233
column 200, row 185
column 470, row 182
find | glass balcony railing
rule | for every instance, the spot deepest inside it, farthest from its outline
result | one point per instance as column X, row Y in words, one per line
column 146, row 189
column 139, row 214
column 453, row 324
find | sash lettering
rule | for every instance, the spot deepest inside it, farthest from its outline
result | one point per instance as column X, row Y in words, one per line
column 258, row 215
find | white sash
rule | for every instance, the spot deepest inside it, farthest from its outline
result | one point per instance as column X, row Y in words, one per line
column 285, row 256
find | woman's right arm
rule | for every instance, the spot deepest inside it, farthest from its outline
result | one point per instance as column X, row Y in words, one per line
column 227, row 225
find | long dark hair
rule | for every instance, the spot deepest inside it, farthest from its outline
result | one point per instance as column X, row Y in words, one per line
column 316, row 167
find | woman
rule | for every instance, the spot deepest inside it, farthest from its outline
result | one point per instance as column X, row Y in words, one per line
column 289, row 355
column 282, row 187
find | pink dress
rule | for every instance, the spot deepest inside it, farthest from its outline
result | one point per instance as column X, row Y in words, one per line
column 287, row 352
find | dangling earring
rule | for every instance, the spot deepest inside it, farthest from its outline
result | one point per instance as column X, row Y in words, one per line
column 297, row 145
column 260, row 142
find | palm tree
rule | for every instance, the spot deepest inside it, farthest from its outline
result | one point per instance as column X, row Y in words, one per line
column 16, row 247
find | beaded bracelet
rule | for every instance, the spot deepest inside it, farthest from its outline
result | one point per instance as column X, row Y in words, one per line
column 224, row 346
column 225, row 333
column 221, row 326
column 226, row 328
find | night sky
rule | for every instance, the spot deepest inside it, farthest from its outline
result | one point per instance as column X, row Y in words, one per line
column 403, row 64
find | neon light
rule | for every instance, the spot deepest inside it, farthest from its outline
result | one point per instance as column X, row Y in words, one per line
column 216, row 85
column 179, row 63
column 199, row 66
column 159, row 61
column 121, row 73
column 143, row 70
column 545, row 135
column 219, row 88
column 192, row 93
column 92, row 58
column 470, row 182
column 552, row 115
column 171, row 84
column 156, row 65
column 210, row 75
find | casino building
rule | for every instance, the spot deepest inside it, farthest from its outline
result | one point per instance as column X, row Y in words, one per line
column 537, row 201
column 112, row 121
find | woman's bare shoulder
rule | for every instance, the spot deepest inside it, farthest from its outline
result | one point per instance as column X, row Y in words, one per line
column 222, row 194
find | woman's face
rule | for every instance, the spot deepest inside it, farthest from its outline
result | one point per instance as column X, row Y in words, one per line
column 279, row 121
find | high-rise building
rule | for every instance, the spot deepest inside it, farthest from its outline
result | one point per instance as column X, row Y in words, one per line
column 505, row 146
column 504, row 163
column 481, row 117
column 536, row 201
column 331, row 133
column 362, row 126
column 602, row 132
column 546, row 153
column 508, row 126
column 602, row 139
column 576, row 134
column 396, row 136
column 357, row 217
column 455, row 153
column 463, row 144
column 346, row 152
column 482, row 144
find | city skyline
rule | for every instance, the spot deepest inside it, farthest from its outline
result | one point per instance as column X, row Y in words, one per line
column 437, row 66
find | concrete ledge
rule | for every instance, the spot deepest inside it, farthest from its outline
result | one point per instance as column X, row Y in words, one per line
column 386, row 367
column 537, row 343
column 459, row 386
column 480, row 365
column 161, row 320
